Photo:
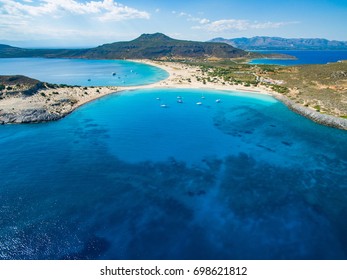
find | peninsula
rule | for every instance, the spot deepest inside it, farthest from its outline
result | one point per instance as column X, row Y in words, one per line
column 318, row 92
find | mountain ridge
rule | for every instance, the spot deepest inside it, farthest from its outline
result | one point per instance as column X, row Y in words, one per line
column 280, row 43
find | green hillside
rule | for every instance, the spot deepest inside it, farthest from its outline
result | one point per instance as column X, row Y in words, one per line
column 154, row 46
column 147, row 46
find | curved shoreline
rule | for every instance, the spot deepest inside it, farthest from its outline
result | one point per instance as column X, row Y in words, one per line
column 171, row 82
column 36, row 109
column 314, row 116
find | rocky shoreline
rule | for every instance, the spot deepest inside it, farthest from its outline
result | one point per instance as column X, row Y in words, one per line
column 29, row 116
column 47, row 104
column 315, row 116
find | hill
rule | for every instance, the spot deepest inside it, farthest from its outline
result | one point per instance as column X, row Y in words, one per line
column 278, row 43
column 147, row 46
column 11, row 85
column 158, row 45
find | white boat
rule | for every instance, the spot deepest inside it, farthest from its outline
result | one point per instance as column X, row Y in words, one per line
column 217, row 100
column 163, row 106
column 179, row 101
column 158, row 98
column 198, row 103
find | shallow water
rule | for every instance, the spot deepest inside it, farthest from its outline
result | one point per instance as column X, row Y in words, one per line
column 124, row 178
column 83, row 72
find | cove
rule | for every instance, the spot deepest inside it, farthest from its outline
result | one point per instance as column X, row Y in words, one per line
column 125, row 178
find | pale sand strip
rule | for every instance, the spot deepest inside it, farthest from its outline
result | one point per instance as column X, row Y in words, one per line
column 185, row 76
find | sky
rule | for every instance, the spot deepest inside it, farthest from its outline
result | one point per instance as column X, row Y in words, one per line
column 88, row 23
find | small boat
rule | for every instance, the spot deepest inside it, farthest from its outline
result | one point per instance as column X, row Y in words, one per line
column 202, row 97
column 113, row 73
column 131, row 71
column 163, row 106
column 179, row 97
column 89, row 80
column 198, row 103
column 217, row 100
column 158, row 98
column 179, row 101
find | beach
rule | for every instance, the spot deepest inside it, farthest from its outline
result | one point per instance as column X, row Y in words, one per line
column 52, row 104
column 186, row 76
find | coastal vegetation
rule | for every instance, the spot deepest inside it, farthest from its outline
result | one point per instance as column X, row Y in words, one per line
column 11, row 85
column 322, row 88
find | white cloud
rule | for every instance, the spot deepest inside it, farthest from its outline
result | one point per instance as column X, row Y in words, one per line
column 106, row 10
column 204, row 21
column 66, row 20
column 229, row 24
column 237, row 25
column 192, row 18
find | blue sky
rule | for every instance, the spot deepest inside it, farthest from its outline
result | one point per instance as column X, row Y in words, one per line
column 71, row 23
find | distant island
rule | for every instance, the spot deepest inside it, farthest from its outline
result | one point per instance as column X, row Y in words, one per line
column 278, row 43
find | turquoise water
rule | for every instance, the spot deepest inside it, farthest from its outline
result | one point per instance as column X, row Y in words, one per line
column 124, row 178
column 83, row 72
column 304, row 57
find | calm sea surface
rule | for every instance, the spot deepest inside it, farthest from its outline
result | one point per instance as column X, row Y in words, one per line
column 124, row 178
column 304, row 57
column 83, row 72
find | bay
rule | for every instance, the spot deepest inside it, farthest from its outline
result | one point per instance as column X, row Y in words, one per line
column 126, row 178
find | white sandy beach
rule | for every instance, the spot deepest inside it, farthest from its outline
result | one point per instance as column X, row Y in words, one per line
column 63, row 100
column 185, row 76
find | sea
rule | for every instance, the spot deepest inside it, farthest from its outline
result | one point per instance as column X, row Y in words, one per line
column 83, row 72
column 303, row 57
column 139, row 175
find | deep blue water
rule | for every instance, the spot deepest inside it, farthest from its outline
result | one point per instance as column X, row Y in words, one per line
column 304, row 57
column 124, row 178
column 83, row 72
